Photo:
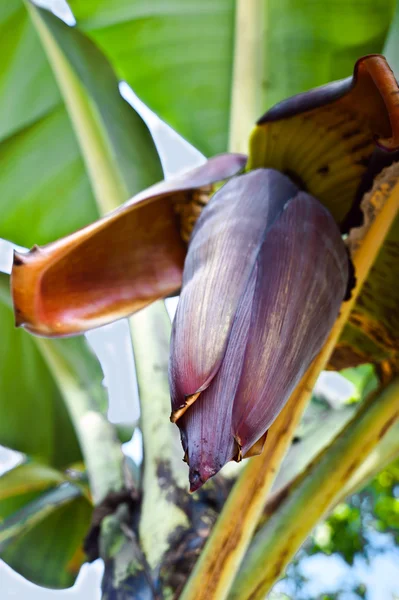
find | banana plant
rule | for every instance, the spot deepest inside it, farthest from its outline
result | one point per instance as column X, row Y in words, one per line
column 284, row 261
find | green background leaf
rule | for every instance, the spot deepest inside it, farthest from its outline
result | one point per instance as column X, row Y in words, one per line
column 42, row 524
column 34, row 419
column 178, row 54
column 23, row 483
column 118, row 149
column 44, row 190
column 26, row 94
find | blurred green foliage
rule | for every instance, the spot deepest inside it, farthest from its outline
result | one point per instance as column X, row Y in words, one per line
column 348, row 529
column 376, row 507
column 364, row 379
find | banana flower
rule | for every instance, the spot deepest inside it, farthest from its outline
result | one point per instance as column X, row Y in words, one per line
column 262, row 274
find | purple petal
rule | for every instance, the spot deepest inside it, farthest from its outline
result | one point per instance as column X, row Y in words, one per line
column 302, row 279
column 206, row 428
column 221, row 256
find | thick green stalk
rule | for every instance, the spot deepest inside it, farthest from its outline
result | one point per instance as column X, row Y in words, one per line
column 381, row 456
column 307, row 501
column 248, row 95
column 165, row 475
column 226, row 547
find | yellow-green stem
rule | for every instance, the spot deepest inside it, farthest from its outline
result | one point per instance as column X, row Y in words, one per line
column 108, row 186
column 248, row 89
column 287, row 528
column 165, row 475
column 226, row 547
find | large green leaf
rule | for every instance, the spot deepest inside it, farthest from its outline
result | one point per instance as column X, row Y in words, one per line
column 118, row 149
column 26, row 95
column 178, row 55
column 24, row 483
column 38, row 505
column 44, row 190
column 53, row 196
column 43, row 180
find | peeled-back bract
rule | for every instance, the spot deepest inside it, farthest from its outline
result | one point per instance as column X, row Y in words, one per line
column 324, row 138
column 115, row 266
column 260, row 294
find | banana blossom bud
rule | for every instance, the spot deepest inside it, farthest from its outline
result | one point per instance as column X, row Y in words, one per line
column 264, row 277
